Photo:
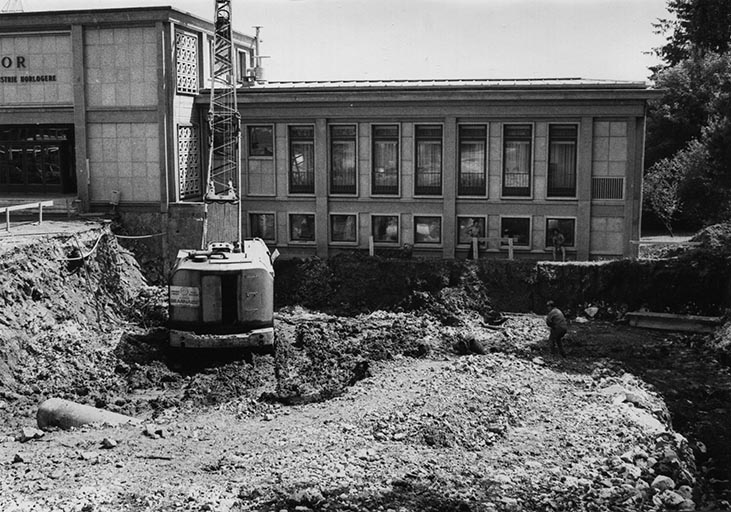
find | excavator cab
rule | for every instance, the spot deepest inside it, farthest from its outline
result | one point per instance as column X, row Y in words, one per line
column 223, row 297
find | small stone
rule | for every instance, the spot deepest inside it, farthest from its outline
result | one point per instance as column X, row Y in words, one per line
column 631, row 471
column 539, row 360
column 268, row 417
column 56, row 474
column 685, row 491
column 399, row 436
column 642, row 486
column 92, row 457
column 671, row 499
column 687, row 505
column 662, row 483
column 109, row 443
column 150, row 431
column 28, row 433
column 20, row 457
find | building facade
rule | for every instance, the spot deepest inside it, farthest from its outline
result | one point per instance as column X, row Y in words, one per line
column 111, row 106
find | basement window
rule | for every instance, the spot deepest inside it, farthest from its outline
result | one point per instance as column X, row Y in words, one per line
column 517, row 228
column 567, row 227
column 427, row 230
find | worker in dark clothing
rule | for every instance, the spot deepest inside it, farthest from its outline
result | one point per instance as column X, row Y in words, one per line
column 557, row 323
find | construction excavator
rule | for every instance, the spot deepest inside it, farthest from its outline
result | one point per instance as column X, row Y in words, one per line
column 222, row 294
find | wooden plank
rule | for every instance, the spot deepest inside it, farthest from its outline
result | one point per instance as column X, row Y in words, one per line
column 673, row 322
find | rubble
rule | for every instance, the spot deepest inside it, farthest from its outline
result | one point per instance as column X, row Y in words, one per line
column 368, row 412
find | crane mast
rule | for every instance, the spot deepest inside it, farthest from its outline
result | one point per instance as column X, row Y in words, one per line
column 224, row 125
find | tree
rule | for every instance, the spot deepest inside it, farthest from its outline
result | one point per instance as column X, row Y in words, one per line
column 688, row 150
column 662, row 184
column 699, row 26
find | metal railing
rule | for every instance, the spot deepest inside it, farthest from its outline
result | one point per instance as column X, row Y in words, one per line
column 40, row 205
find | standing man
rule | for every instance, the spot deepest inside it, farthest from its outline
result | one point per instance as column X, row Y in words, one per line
column 557, row 323
column 557, row 242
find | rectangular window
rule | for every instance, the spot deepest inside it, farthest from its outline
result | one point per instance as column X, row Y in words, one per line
column 472, row 160
column 517, row 149
column 262, row 226
column 302, row 227
column 343, row 228
column 469, row 228
column 385, row 179
column 427, row 230
column 342, row 160
column 385, row 228
column 428, row 161
column 243, row 65
column 517, row 228
column 563, row 227
column 301, row 160
column 562, row 160
column 261, row 141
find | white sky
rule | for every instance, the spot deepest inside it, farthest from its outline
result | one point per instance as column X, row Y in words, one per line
column 425, row 39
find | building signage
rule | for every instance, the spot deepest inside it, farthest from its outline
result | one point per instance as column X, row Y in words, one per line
column 19, row 62
column 185, row 296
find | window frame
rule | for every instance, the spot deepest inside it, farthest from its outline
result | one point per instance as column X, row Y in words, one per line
column 330, row 230
column 576, row 161
column 486, row 166
column 386, row 243
column 241, row 70
column 247, row 131
column 459, row 229
column 398, row 137
column 251, row 231
column 290, row 141
column 531, row 161
column 548, row 244
column 289, row 229
column 417, row 139
column 530, row 232
column 441, row 229
column 330, row 141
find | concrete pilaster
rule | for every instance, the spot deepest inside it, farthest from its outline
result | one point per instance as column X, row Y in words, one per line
column 321, row 199
column 79, row 84
column 449, row 188
column 583, row 188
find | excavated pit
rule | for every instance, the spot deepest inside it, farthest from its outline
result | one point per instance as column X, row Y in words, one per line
column 91, row 330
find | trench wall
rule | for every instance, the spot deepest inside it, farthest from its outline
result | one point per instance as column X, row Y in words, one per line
column 352, row 283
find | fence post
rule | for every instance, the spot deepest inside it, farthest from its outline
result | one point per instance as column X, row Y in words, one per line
column 475, row 249
column 510, row 248
column 7, row 219
column 40, row 213
column 371, row 250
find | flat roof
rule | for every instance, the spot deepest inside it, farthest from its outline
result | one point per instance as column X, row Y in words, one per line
column 118, row 16
column 508, row 83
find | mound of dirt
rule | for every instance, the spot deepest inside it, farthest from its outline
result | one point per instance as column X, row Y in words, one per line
column 62, row 291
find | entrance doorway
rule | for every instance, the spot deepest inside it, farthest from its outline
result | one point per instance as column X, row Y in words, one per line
column 37, row 159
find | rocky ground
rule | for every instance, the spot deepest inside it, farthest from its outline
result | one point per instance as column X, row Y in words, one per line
column 441, row 404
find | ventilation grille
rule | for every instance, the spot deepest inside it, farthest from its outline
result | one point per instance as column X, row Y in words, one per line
column 607, row 188
column 186, row 53
column 189, row 162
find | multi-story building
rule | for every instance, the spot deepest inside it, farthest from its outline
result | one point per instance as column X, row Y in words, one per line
column 111, row 104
